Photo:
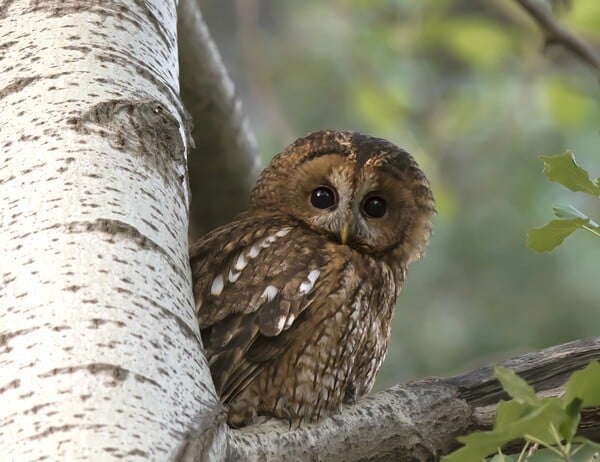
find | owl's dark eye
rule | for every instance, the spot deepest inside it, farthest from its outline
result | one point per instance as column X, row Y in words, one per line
column 323, row 197
column 374, row 206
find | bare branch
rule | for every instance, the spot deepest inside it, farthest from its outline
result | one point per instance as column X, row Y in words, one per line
column 224, row 164
column 557, row 35
column 412, row 422
column 417, row 421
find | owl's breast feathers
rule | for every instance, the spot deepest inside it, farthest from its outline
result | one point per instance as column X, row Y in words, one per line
column 292, row 322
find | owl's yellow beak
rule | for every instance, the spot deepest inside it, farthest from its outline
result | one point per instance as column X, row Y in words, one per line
column 344, row 233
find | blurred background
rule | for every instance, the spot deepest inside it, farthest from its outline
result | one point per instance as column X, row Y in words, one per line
column 467, row 88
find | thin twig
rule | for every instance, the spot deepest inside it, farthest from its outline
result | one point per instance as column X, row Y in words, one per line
column 557, row 35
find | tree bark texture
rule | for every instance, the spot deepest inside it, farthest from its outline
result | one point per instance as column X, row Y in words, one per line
column 100, row 350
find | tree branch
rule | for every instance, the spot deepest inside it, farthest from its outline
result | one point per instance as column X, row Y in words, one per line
column 557, row 35
column 409, row 422
column 419, row 420
column 224, row 165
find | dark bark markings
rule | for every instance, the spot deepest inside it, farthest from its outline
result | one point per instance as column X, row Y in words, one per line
column 142, row 128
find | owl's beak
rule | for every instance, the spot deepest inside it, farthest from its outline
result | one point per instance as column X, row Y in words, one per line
column 344, row 233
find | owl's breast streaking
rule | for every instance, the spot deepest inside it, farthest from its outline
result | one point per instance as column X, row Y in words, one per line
column 292, row 323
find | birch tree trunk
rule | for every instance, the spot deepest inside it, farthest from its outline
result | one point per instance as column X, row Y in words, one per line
column 100, row 353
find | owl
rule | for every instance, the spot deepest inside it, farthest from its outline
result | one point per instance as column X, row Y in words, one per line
column 295, row 296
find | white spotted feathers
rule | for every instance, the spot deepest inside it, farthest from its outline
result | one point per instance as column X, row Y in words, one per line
column 242, row 260
column 217, row 286
column 278, row 302
column 307, row 285
column 269, row 293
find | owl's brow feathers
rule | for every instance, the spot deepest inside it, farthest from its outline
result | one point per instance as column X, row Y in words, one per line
column 358, row 148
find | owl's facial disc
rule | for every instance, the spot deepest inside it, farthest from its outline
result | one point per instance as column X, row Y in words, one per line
column 358, row 190
column 353, row 209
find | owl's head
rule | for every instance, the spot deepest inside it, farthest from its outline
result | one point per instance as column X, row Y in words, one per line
column 361, row 191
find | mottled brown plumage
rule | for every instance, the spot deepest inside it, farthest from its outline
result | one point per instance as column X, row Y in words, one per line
column 295, row 297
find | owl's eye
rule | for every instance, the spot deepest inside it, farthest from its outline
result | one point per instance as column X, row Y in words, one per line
column 374, row 206
column 323, row 197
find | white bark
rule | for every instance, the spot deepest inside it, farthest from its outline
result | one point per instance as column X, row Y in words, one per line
column 100, row 354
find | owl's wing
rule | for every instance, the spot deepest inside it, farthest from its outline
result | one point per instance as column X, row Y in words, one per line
column 252, row 280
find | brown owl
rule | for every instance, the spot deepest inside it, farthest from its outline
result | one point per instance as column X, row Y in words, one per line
column 295, row 296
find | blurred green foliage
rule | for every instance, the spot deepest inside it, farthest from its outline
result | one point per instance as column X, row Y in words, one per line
column 465, row 87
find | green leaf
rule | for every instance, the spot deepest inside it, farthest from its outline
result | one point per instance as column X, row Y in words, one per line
column 571, row 212
column 561, row 211
column 535, row 423
column 564, row 170
column 568, row 428
column 477, row 446
column 515, row 386
column 583, row 384
column 544, row 455
column 587, row 453
column 532, row 418
column 552, row 234
column 508, row 412
column 502, row 458
column 583, row 440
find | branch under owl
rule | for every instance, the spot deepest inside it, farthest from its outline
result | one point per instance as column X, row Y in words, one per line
column 557, row 35
column 419, row 420
column 224, row 164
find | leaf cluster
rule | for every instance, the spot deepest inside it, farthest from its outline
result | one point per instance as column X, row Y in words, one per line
column 563, row 169
column 548, row 425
